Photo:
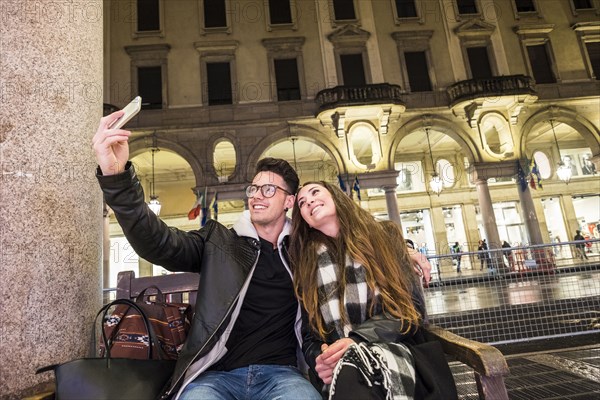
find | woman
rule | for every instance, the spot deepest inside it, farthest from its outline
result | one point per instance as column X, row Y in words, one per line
column 361, row 326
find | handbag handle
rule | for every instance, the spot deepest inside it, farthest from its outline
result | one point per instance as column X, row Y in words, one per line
column 104, row 310
column 160, row 297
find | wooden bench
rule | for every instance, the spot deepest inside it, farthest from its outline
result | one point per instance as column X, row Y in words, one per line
column 487, row 362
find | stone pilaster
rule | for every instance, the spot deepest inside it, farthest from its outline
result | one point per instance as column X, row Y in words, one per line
column 50, row 205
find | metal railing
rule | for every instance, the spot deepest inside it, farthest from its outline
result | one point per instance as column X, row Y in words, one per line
column 518, row 294
column 513, row 294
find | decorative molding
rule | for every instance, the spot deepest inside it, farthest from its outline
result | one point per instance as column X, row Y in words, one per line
column 475, row 28
column 284, row 44
column 222, row 47
column 147, row 51
column 349, row 35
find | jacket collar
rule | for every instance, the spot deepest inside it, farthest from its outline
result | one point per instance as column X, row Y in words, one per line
column 244, row 227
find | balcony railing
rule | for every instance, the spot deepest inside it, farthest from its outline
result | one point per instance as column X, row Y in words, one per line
column 491, row 87
column 339, row 96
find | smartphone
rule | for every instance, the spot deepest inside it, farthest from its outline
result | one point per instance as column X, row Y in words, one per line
column 131, row 110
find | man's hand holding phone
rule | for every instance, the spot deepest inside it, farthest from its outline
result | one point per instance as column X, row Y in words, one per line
column 110, row 143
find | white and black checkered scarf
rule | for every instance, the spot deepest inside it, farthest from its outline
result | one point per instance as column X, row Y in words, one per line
column 388, row 364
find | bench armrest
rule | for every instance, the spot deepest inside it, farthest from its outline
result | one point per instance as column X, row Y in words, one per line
column 488, row 362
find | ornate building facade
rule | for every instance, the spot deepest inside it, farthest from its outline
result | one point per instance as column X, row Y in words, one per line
column 387, row 95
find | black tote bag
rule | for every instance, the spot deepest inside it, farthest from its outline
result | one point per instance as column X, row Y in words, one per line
column 114, row 378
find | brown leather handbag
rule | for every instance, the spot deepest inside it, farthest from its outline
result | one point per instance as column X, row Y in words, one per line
column 127, row 336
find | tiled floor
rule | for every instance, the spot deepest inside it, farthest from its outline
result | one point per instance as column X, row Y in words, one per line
column 571, row 374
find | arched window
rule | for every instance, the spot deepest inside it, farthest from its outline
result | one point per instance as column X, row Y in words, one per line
column 224, row 159
column 543, row 164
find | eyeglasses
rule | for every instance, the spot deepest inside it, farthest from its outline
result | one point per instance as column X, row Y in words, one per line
column 267, row 190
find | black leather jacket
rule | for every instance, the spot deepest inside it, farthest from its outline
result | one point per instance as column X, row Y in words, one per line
column 225, row 259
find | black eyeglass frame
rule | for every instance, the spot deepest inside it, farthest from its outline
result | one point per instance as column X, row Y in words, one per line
column 251, row 190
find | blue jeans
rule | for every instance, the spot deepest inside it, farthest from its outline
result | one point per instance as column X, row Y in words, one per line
column 268, row 382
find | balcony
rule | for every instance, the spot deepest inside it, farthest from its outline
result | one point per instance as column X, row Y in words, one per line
column 347, row 96
column 488, row 88
column 469, row 98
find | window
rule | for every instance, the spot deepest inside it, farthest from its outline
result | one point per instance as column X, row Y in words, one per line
column 537, row 52
column 415, row 60
column 344, row 10
column 286, row 78
column 280, row 12
column 215, row 14
column 285, row 68
column 418, row 71
column 525, row 6
column 582, row 4
column 148, row 15
column 219, row 83
column 588, row 36
column 350, row 48
column 217, row 71
column 149, row 74
column 406, row 8
column 150, row 87
column 479, row 62
column 540, row 64
column 353, row 70
column 593, row 50
column 467, row 6
column 224, row 159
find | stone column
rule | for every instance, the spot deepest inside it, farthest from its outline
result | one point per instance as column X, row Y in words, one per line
column 487, row 214
column 529, row 215
column 50, row 204
column 439, row 230
column 391, row 201
column 571, row 223
column 472, row 232
column 489, row 222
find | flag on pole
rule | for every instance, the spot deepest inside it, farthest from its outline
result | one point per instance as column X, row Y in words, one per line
column 342, row 184
column 204, row 208
column 195, row 211
column 356, row 187
column 215, row 207
column 535, row 178
column 521, row 178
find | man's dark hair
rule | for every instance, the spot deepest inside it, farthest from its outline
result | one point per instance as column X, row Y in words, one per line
column 282, row 168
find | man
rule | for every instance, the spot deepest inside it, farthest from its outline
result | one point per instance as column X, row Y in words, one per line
column 245, row 332
column 588, row 167
column 457, row 250
column 580, row 247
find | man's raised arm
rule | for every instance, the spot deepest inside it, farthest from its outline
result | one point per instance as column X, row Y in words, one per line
column 111, row 146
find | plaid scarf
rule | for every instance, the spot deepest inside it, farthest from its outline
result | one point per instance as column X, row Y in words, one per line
column 388, row 364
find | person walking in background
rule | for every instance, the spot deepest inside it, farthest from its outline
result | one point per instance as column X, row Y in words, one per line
column 484, row 257
column 580, row 247
column 508, row 254
column 456, row 250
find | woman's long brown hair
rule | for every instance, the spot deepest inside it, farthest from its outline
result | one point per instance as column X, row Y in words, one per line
column 366, row 242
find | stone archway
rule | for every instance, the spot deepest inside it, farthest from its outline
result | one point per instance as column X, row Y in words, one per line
column 583, row 126
column 143, row 144
column 300, row 133
column 438, row 124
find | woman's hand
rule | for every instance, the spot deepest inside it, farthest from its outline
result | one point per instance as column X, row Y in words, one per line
column 329, row 357
column 421, row 265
